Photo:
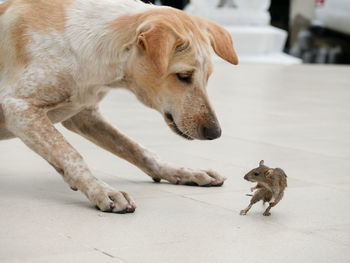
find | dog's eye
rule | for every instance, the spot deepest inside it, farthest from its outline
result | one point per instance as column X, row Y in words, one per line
column 184, row 77
column 256, row 174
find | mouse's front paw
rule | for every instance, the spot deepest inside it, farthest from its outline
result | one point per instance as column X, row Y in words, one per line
column 243, row 212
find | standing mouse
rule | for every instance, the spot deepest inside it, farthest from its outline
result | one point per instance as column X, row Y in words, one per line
column 271, row 183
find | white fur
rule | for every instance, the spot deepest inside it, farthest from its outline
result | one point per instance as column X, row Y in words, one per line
column 88, row 24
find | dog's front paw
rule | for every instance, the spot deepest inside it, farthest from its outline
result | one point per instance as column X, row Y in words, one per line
column 109, row 200
column 194, row 177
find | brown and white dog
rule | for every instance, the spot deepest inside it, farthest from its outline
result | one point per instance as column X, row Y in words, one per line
column 59, row 58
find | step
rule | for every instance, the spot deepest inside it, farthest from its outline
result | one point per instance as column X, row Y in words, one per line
column 260, row 44
column 246, row 12
column 257, row 40
column 271, row 58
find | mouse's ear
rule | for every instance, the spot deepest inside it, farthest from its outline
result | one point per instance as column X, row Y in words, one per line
column 261, row 163
column 269, row 173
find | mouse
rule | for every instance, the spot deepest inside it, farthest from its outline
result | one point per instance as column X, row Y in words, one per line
column 271, row 183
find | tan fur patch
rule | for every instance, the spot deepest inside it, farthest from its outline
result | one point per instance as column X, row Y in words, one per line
column 4, row 6
column 54, row 18
column 30, row 20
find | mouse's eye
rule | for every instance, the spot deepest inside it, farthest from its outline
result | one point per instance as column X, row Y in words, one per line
column 256, row 174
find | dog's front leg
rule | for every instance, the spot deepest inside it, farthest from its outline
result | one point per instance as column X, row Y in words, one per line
column 91, row 124
column 33, row 127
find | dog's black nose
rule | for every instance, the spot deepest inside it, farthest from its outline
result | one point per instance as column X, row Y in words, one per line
column 211, row 132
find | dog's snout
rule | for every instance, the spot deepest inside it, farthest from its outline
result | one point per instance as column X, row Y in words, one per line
column 211, row 132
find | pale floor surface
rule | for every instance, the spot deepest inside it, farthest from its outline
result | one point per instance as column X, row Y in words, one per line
column 293, row 117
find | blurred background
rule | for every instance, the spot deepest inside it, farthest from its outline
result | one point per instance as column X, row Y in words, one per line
column 280, row 31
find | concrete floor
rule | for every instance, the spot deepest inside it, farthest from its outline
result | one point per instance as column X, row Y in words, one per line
column 293, row 117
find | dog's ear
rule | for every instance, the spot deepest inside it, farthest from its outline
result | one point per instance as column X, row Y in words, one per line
column 159, row 42
column 220, row 39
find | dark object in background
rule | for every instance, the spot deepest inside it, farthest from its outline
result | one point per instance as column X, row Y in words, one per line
column 179, row 4
column 227, row 3
column 279, row 11
column 317, row 44
column 311, row 43
column 335, row 45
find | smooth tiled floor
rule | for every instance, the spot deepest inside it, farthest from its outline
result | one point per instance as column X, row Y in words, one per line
column 293, row 117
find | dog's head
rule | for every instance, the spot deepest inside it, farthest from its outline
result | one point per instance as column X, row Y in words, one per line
column 170, row 67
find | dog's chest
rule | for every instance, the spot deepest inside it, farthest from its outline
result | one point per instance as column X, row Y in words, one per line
column 81, row 99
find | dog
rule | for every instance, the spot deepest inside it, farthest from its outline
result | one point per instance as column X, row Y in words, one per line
column 59, row 59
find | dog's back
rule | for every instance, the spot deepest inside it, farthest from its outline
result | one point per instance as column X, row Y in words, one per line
column 18, row 19
column 39, row 28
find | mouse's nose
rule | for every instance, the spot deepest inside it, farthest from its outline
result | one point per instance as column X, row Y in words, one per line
column 211, row 132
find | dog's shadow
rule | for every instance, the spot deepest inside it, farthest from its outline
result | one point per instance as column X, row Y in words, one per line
column 41, row 190
column 48, row 189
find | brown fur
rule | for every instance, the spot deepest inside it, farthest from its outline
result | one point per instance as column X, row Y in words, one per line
column 271, row 183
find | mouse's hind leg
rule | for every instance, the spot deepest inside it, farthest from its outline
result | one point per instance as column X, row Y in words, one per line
column 259, row 195
column 272, row 204
column 267, row 211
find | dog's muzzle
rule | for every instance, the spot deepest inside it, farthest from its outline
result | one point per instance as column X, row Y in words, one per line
column 173, row 126
column 205, row 132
